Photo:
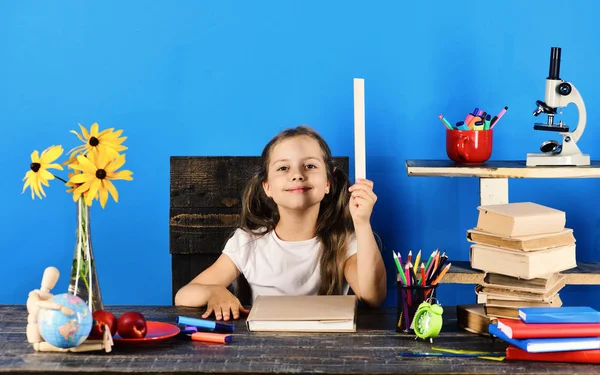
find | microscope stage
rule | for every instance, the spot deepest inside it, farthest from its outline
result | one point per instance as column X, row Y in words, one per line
column 551, row 128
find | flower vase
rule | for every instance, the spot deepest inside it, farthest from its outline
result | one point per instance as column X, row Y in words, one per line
column 84, row 280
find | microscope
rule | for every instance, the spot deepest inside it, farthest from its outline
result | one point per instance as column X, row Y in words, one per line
column 559, row 94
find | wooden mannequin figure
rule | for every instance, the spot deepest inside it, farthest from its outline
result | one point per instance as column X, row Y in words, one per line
column 39, row 298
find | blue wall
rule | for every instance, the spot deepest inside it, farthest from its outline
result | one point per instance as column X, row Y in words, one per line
column 221, row 78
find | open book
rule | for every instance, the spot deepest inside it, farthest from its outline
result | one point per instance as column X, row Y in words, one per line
column 332, row 313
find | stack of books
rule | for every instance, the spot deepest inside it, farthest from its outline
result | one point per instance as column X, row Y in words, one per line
column 564, row 334
column 522, row 248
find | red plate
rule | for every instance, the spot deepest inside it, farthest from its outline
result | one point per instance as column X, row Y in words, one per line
column 157, row 332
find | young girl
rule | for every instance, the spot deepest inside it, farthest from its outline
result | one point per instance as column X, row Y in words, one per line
column 303, row 231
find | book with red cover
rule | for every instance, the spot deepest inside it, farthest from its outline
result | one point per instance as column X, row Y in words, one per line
column 518, row 329
column 579, row 356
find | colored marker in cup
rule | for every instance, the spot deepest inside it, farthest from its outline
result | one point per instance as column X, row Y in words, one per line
column 461, row 126
column 486, row 123
column 478, row 125
column 469, row 118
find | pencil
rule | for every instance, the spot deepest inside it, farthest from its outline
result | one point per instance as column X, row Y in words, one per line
column 412, row 354
column 405, row 308
column 417, row 260
column 429, row 260
column 409, row 256
column 397, row 261
column 435, row 262
column 439, row 277
column 408, row 284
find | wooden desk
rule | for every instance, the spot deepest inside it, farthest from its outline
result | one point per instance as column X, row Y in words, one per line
column 373, row 349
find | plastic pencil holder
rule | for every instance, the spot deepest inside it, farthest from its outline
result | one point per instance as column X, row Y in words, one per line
column 409, row 299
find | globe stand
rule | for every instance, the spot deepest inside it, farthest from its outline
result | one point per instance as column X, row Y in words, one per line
column 38, row 299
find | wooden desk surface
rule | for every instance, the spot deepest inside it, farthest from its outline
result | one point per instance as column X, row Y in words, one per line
column 373, row 349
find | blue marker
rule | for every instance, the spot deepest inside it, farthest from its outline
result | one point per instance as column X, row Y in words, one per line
column 206, row 324
column 461, row 126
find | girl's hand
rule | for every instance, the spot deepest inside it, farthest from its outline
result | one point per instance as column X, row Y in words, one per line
column 362, row 200
column 224, row 304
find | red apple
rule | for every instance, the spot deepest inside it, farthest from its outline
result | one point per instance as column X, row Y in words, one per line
column 102, row 317
column 132, row 324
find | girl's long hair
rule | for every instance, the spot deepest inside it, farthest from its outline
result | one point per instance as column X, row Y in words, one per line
column 334, row 223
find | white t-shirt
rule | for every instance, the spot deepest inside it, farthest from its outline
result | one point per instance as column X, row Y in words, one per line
column 275, row 267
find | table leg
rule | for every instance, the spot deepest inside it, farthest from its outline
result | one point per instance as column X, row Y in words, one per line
column 493, row 191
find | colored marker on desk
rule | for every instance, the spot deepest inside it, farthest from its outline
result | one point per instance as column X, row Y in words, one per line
column 461, row 126
column 206, row 324
column 217, row 338
column 467, row 355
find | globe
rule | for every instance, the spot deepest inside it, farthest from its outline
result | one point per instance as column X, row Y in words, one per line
column 65, row 331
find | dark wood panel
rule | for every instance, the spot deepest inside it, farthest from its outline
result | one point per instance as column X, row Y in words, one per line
column 200, row 233
column 184, row 267
column 214, row 181
column 374, row 349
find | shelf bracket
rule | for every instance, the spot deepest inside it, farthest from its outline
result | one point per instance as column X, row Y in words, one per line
column 493, row 191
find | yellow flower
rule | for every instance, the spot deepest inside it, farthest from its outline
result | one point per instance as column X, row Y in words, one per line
column 96, row 142
column 38, row 174
column 72, row 159
column 96, row 176
column 70, row 184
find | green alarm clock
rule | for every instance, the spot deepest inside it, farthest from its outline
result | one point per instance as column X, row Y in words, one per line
column 427, row 322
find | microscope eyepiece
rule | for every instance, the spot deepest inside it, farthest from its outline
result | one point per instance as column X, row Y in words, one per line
column 554, row 63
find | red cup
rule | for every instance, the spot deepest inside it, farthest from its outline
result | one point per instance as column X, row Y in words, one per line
column 469, row 146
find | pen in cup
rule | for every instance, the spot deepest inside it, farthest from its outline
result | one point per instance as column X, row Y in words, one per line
column 498, row 117
column 445, row 122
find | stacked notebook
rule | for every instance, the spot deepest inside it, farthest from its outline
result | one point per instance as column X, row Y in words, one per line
column 472, row 318
column 522, row 248
column 320, row 313
column 565, row 334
